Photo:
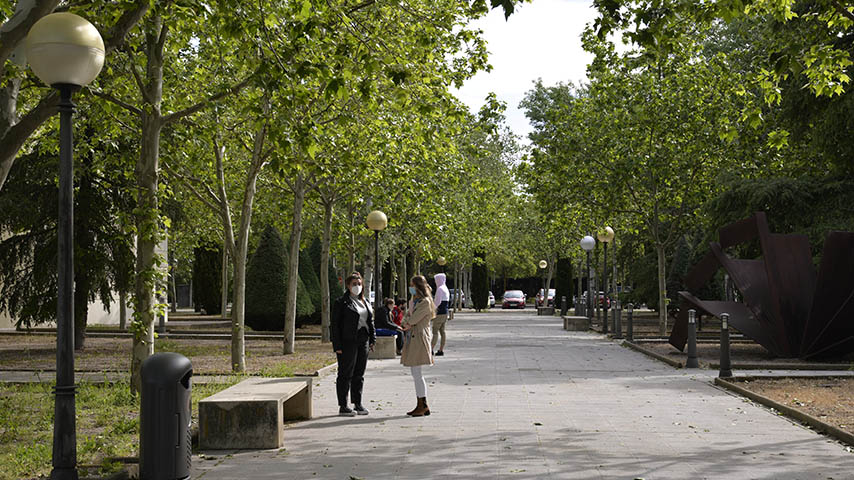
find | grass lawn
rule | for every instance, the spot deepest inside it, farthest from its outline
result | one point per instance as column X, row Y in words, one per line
column 264, row 357
column 107, row 415
column 107, row 426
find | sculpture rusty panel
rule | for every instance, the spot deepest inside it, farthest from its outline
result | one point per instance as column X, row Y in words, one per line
column 787, row 308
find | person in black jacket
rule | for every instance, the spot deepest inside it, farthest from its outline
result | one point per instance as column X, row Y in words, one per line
column 352, row 330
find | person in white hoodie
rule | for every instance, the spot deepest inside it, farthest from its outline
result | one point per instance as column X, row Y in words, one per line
column 442, row 300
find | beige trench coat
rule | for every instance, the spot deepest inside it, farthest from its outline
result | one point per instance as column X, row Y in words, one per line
column 416, row 350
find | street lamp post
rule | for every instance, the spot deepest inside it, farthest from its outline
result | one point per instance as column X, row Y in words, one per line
column 377, row 221
column 543, row 265
column 66, row 52
column 442, row 262
column 587, row 244
column 605, row 236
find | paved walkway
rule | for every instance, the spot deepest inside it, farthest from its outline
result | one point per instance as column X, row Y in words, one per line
column 517, row 397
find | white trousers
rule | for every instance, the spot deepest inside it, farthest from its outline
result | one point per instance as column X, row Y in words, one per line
column 420, row 385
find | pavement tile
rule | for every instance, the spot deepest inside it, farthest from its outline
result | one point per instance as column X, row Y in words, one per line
column 516, row 397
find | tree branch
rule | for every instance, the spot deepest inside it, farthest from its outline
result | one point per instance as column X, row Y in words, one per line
column 172, row 117
column 15, row 33
column 188, row 182
column 18, row 134
column 115, row 36
column 121, row 103
column 842, row 10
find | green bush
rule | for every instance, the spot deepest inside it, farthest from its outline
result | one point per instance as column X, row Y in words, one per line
column 267, row 283
column 207, row 278
column 479, row 282
column 308, row 275
column 563, row 281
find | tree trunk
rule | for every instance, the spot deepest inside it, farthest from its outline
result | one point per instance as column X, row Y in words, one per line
column 82, row 285
column 293, row 265
column 403, row 286
column 123, row 310
column 146, row 219
column 662, row 291
column 146, row 216
column 325, row 241
column 238, row 309
column 351, row 253
column 224, row 290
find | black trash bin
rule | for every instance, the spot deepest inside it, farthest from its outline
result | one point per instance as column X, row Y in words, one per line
column 164, row 417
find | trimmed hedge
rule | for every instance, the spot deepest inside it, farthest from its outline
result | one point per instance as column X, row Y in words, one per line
column 207, row 278
column 479, row 281
column 266, row 285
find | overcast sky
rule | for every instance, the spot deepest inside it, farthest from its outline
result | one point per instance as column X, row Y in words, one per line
column 541, row 39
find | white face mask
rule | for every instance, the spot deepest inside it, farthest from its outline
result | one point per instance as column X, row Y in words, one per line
column 356, row 290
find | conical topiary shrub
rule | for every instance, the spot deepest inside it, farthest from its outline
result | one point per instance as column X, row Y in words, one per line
column 207, row 278
column 267, row 286
column 266, row 283
column 308, row 274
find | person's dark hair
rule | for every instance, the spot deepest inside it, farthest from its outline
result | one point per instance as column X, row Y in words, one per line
column 399, row 301
column 350, row 278
column 388, row 301
column 422, row 287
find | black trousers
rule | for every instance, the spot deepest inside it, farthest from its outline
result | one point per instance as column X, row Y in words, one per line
column 351, row 369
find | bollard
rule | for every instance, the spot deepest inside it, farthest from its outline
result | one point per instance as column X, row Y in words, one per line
column 726, row 363
column 618, row 324
column 692, row 361
column 563, row 307
column 630, row 326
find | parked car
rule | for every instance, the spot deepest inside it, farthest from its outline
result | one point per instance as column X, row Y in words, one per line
column 601, row 299
column 457, row 293
column 550, row 301
column 513, row 299
column 491, row 299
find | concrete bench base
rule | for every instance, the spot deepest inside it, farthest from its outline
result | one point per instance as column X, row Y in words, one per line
column 545, row 310
column 251, row 414
column 576, row 324
column 385, row 348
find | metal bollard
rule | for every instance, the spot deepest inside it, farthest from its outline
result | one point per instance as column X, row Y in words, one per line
column 726, row 363
column 563, row 307
column 692, row 361
column 630, row 325
column 618, row 321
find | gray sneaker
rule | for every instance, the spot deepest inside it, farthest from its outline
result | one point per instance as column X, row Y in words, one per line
column 360, row 410
column 346, row 412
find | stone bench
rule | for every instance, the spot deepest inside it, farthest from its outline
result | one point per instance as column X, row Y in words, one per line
column 251, row 414
column 545, row 310
column 385, row 348
column 576, row 324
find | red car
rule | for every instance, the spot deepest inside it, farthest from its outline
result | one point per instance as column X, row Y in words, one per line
column 513, row 299
column 551, row 300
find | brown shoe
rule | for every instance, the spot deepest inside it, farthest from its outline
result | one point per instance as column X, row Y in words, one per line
column 416, row 407
column 423, row 410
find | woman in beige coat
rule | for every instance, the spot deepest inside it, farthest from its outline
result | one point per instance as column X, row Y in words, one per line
column 416, row 349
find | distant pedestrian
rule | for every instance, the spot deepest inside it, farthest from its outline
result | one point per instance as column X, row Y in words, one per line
column 442, row 299
column 386, row 327
column 416, row 348
column 352, row 330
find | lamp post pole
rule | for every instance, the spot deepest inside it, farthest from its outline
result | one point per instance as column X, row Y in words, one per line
column 588, row 243
column 377, row 221
column 64, row 422
column 605, row 287
column 66, row 52
column 589, row 302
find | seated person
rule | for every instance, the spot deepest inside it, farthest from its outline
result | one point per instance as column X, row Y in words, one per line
column 397, row 311
column 385, row 326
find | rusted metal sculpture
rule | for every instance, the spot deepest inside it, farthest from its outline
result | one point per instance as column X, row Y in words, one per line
column 786, row 308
